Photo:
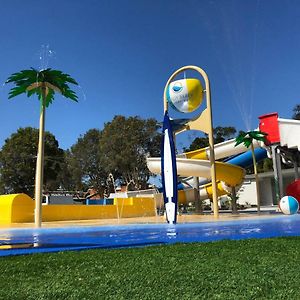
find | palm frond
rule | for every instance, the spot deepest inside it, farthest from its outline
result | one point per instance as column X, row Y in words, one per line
column 58, row 75
column 49, row 97
column 240, row 139
column 17, row 91
column 32, row 92
column 25, row 80
column 24, row 75
column 248, row 137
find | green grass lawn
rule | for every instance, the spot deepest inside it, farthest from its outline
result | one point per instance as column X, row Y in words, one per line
column 247, row 269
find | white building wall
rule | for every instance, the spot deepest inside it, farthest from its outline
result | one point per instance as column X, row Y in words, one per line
column 247, row 193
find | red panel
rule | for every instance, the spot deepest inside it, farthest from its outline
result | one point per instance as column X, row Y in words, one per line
column 294, row 190
column 269, row 124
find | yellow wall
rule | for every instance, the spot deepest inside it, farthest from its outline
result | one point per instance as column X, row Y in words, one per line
column 19, row 208
column 16, row 208
column 77, row 212
column 135, row 207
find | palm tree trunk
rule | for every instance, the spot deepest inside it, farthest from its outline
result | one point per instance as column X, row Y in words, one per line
column 233, row 201
column 256, row 179
column 198, row 201
column 40, row 165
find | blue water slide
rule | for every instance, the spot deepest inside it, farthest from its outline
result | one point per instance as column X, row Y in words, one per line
column 244, row 160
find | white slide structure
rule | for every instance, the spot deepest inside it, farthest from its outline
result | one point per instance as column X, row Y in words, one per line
column 196, row 163
column 289, row 133
column 222, row 150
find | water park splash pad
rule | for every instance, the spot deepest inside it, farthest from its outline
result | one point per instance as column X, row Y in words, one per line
column 42, row 240
column 199, row 163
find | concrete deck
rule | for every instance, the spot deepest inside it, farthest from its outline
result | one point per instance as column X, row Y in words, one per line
column 183, row 218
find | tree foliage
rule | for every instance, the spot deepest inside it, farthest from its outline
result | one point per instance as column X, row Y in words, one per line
column 125, row 144
column 118, row 151
column 65, row 176
column 221, row 134
column 18, row 162
column 86, row 162
column 296, row 112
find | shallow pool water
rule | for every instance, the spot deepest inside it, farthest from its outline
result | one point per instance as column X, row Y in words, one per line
column 26, row 241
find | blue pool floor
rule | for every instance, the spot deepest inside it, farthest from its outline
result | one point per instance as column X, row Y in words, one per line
column 27, row 241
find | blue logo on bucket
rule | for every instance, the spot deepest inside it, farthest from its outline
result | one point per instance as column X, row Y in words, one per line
column 177, row 87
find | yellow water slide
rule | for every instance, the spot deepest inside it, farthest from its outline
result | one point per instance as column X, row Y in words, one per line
column 196, row 163
column 227, row 175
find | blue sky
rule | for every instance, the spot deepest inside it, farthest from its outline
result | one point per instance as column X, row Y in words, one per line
column 122, row 53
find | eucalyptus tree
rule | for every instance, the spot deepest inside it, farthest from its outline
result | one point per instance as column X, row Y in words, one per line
column 44, row 84
column 125, row 144
column 18, row 159
column 220, row 134
column 296, row 112
column 247, row 139
column 86, row 162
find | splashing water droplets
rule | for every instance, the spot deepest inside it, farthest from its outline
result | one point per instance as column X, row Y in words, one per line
column 45, row 55
column 235, row 42
column 82, row 92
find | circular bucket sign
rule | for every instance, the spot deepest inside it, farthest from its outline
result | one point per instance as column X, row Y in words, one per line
column 185, row 95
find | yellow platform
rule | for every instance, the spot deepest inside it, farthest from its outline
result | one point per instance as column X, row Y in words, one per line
column 19, row 208
column 16, row 208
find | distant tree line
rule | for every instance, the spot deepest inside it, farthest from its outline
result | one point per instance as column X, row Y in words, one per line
column 99, row 158
column 296, row 112
column 220, row 134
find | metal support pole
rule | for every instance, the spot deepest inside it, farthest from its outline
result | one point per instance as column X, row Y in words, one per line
column 295, row 163
column 276, row 175
column 279, row 171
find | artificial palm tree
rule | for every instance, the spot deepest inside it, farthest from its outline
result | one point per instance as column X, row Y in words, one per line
column 44, row 83
column 247, row 139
